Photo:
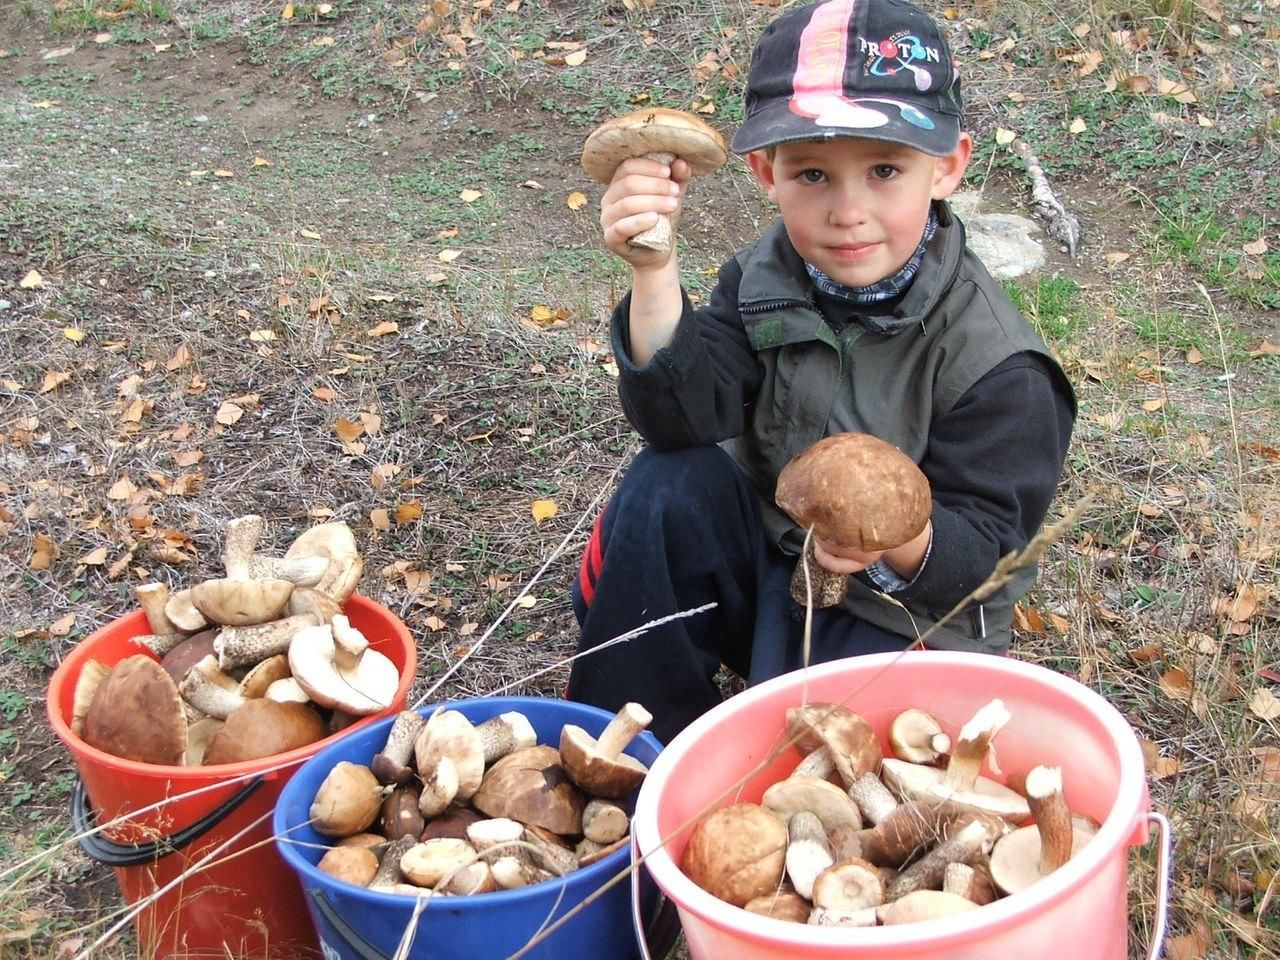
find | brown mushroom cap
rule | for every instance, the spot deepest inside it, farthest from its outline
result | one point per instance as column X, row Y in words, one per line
column 263, row 728
column 136, row 714
column 188, row 653
column 531, row 786
column 851, row 741
column 656, row 130
column 737, row 853
column 856, row 491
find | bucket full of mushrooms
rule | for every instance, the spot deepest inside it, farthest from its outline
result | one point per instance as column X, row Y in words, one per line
column 475, row 829
column 906, row 806
column 187, row 716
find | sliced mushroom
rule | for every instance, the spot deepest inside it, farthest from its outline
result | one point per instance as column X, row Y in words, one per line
column 599, row 766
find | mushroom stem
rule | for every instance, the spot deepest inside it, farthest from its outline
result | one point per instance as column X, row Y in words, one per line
column 808, row 852
column 819, row 763
column 505, row 734
column 927, row 872
column 973, row 744
column 969, row 882
column 388, row 873
column 210, row 690
column 1053, row 818
column 238, row 646
column 243, row 534
column 392, row 764
column 604, row 821
column 151, row 598
column 873, row 798
column 622, row 729
column 348, row 642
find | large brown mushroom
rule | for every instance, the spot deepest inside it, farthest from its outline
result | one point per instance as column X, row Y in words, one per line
column 660, row 134
column 737, row 853
column 856, row 491
column 136, row 714
column 531, row 786
column 262, row 728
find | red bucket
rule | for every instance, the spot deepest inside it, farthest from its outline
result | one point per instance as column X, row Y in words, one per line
column 242, row 900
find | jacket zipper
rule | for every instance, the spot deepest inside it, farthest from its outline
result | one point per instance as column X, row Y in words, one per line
column 766, row 305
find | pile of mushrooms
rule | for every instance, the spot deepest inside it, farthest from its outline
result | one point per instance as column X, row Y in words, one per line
column 454, row 808
column 255, row 663
column 856, row 839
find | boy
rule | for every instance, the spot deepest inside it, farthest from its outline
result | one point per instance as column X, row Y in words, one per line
column 861, row 309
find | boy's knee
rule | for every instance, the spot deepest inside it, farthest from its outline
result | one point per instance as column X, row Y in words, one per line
column 682, row 482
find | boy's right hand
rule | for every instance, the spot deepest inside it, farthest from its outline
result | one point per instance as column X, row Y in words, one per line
column 640, row 192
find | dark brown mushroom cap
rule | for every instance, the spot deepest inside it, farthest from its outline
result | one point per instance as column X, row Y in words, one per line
column 264, row 728
column 531, row 786
column 856, row 491
column 655, row 130
column 600, row 775
column 136, row 714
column 188, row 653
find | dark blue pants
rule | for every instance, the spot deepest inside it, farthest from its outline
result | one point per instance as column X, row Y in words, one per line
column 683, row 530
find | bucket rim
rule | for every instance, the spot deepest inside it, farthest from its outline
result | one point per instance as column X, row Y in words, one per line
column 1128, row 810
column 134, row 624
column 607, row 868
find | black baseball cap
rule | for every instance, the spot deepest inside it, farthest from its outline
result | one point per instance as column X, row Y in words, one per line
column 876, row 69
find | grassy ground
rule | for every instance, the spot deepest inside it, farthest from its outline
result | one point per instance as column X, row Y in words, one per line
column 358, row 224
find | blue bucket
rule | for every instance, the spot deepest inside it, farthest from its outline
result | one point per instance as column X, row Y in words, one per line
column 354, row 923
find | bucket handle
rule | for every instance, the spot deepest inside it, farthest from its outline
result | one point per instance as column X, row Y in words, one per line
column 115, row 854
column 364, row 950
column 1164, row 867
column 657, row 937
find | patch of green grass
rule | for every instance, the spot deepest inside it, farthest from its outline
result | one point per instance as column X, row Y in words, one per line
column 1051, row 303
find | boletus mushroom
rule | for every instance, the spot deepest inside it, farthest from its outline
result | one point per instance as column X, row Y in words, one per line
column 737, row 853
column 855, row 491
column 136, row 714
column 660, row 134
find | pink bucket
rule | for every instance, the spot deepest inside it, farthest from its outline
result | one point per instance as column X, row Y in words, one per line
column 1081, row 910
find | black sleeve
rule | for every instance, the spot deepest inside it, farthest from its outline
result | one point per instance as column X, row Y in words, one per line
column 696, row 390
column 994, row 463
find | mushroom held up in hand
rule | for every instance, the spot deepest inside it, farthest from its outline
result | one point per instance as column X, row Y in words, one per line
column 660, row 134
column 857, row 492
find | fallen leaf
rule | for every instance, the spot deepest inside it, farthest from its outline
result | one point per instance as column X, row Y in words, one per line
column 73, row 334
column 382, row 474
column 1116, row 256
column 434, row 623
column 229, row 413
column 310, row 234
column 287, row 12
column 32, row 281
column 1151, row 406
column 1242, row 606
column 1147, row 653
column 261, row 336
column 384, row 328
column 527, row 602
column 1190, row 946
column 1257, row 248
column 44, row 551
column 1176, row 89
column 62, row 626
column 408, row 512
column 54, row 379
column 576, row 59
column 181, row 357
column 94, row 558
column 1264, row 704
column 544, row 510
column 380, row 519
column 324, row 394
column 448, row 256
column 470, row 196
column 188, row 458
column 467, row 629
column 1077, row 126
column 577, row 200
column 348, row 430
column 122, row 489
column 1177, row 684
column 261, row 162
column 1004, row 137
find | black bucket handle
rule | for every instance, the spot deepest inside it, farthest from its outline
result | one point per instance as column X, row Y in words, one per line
column 660, row 936
column 114, row 854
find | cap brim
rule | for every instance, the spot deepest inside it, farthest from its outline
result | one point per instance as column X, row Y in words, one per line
column 875, row 118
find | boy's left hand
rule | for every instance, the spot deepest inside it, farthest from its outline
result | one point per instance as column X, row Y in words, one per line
column 840, row 559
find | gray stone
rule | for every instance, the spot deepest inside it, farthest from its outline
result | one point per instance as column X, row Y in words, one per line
column 1004, row 242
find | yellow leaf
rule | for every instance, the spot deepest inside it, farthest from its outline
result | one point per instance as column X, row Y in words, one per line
column 348, row 430
column 324, row 394
column 224, row 174
column 1176, row 89
column 527, row 602
column 323, row 42
column 229, row 413
column 44, row 553
column 32, row 281
column 122, row 489
column 408, row 512
column 448, row 256
column 470, row 196
column 54, row 379
column 62, row 626
column 72, row 334
column 541, row 314
column 261, row 336
column 1151, row 406
column 161, row 47
column 1264, row 704
column 577, row 200
column 261, row 162
column 380, row 519
column 1177, row 684
column 1077, row 126
column 384, row 328
column 94, row 558
column 448, row 233
column 309, row 234
column 576, row 59
column 1004, row 137
column 382, row 474
column 544, row 510
column 1257, row 248
column 287, row 12
column 434, row 623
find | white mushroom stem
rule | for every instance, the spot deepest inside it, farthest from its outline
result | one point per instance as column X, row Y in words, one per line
column 159, row 644
column 388, row 873
column 916, row 736
column 848, row 886
column 505, row 733
column 288, row 690
column 873, row 798
column 349, row 643
column 827, row 917
column 210, row 690
column 243, row 534
column 152, row 598
column 926, row 873
column 1052, row 816
column 922, row 905
column 973, row 744
column 604, row 821
column 817, row 763
column 238, row 646
column 626, row 724
column 808, row 852
column 512, row 873
column 965, row 881
column 300, row 571
column 559, row 860
column 498, row 837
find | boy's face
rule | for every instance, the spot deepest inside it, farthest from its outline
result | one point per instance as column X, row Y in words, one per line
column 856, row 209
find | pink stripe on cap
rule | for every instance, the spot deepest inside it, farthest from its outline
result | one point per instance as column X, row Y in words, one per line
column 824, row 48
